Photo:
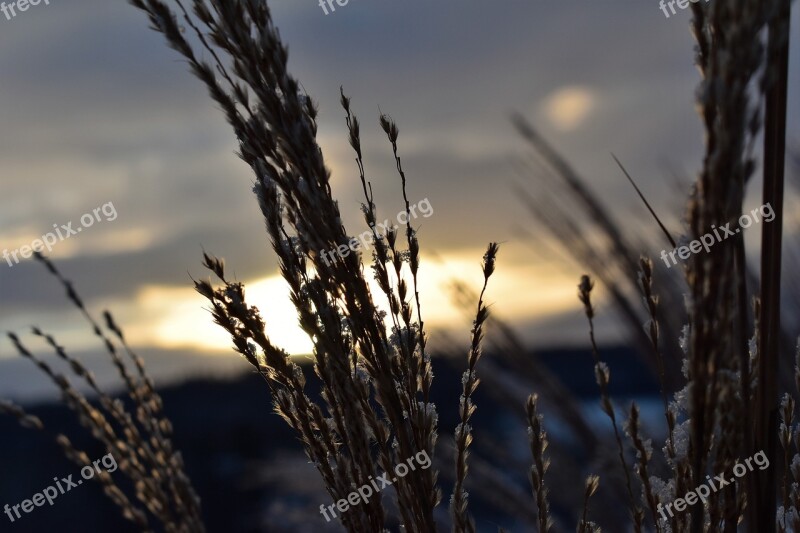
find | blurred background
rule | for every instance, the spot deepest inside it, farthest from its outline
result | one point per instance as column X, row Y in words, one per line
column 94, row 108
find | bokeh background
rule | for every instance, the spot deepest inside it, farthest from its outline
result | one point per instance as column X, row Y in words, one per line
column 94, row 108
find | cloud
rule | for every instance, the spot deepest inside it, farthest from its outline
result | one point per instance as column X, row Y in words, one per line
column 97, row 108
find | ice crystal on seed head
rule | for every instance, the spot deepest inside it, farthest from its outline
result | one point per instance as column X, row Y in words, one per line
column 795, row 466
column 662, row 490
column 466, row 376
column 684, row 340
column 787, row 516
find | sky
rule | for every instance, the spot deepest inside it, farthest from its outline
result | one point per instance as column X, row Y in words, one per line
column 98, row 115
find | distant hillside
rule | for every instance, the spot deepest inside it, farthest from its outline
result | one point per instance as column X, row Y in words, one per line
column 244, row 461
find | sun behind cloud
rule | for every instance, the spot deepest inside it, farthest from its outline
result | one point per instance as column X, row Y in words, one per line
column 568, row 107
column 178, row 317
column 181, row 318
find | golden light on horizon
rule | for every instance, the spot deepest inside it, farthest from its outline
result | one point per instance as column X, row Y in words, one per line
column 182, row 319
column 177, row 318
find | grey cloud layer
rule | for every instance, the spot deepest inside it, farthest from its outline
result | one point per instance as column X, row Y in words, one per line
column 95, row 108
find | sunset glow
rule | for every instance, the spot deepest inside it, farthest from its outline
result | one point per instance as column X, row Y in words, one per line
column 171, row 315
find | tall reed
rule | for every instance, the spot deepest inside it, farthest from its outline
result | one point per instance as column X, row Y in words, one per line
column 359, row 360
column 140, row 442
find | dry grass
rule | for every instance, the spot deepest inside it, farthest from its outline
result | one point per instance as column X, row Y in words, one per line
column 720, row 405
column 360, row 362
column 728, row 406
column 140, row 442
